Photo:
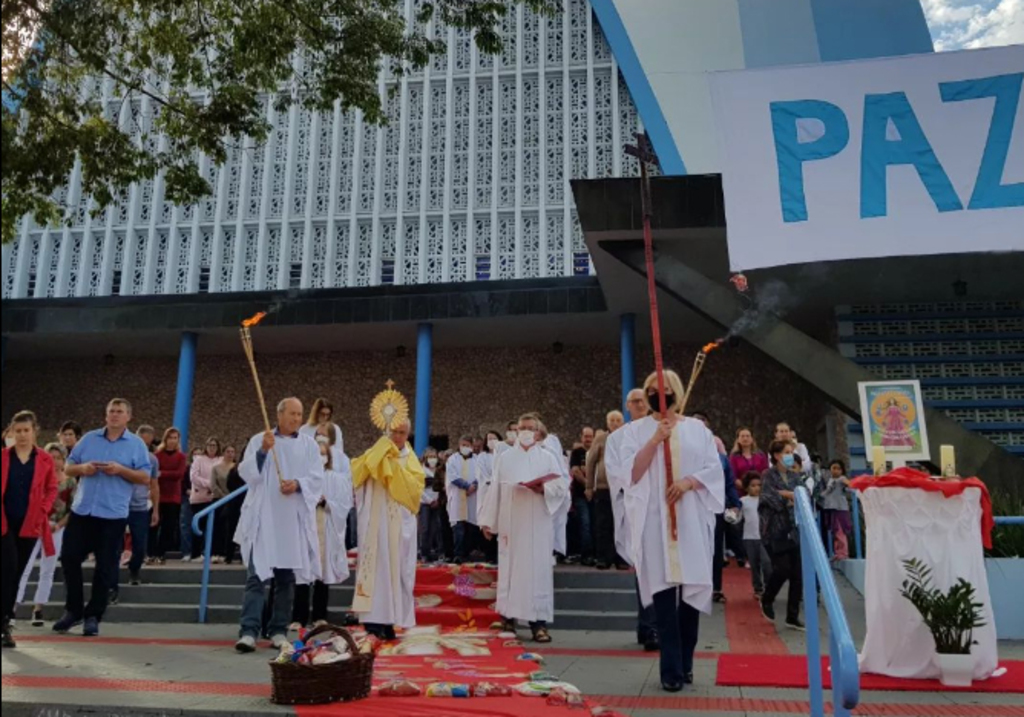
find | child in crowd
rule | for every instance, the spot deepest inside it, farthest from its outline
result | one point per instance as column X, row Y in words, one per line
column 835, row 510
column 757, row 556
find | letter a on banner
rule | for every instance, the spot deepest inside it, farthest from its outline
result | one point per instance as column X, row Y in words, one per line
column 791, row 153
column 912, row 147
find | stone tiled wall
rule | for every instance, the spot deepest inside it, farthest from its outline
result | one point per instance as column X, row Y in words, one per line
column 473, row 390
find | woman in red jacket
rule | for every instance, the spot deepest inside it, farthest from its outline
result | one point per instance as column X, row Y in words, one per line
column 29, row 489
column 164, row 535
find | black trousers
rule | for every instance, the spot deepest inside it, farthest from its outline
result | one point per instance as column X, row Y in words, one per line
column 199, row 541
column 227, row 522
column 725, row 536
column 678, row 627
column 604, row 528
column 785, row 566
column 85, row 535
column 16, row 553
column 300, row 608
column 167, row 535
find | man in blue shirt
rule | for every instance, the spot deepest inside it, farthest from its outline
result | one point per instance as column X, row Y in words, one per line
column 108, row 462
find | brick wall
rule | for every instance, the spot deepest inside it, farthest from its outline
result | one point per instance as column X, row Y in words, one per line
column 473, row 390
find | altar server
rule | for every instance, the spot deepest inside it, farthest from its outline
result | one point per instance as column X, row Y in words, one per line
column 674, row 574
column 527, row 492
column 463, row 478
column 389, row 482
column 277, row 531
column 551, row 444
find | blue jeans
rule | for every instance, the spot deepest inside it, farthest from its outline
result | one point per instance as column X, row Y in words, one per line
column 256, row 597
column 460, row 533
column 186, row 529
column 138, row 527
column 678, row 625
column 429, row 524
column 581, row 525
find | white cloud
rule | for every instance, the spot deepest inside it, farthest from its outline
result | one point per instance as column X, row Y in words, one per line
column 958, row 24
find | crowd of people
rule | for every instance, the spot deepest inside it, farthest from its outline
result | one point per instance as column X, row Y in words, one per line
column 515, row 497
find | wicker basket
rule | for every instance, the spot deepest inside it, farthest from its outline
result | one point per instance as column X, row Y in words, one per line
column 294, row 684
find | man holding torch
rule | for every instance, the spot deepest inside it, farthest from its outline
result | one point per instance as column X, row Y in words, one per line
column 277, row 532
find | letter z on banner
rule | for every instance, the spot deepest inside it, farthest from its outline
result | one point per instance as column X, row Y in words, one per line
column 903, row 156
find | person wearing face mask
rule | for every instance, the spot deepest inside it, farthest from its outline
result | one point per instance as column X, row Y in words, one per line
column 331, row 516
column 784, row 433
column 675, row 572
column 493, row 444
column 463, row 484
column 428, row 520
column 519, row 512
column 779, row 532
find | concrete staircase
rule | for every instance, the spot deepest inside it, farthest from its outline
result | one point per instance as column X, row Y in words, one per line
column 585, row 599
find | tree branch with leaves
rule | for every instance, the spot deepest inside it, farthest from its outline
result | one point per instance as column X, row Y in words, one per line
column 207, row 66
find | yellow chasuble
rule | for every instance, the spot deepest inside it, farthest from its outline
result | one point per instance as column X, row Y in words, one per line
column 394, row 476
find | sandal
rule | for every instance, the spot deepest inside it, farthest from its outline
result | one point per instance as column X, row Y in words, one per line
column 541, row 635
column 508, row 625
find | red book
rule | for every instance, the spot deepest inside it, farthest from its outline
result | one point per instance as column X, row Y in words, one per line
column 537, row 482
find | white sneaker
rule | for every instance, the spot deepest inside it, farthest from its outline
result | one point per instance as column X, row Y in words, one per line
column 186, row 559
column 246, row 644
column 278, row 641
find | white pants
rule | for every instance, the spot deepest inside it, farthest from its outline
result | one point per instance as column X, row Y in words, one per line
column 47, row 566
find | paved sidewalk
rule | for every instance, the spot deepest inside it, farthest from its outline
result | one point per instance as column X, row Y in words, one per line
column 193, row 669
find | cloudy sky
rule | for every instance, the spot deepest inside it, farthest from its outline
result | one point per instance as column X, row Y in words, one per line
column 958, row 24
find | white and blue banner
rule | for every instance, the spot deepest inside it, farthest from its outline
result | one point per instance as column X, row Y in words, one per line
column 922, row 154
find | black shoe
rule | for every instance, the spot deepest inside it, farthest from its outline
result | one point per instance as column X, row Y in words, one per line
column 651, row 644
column 603, row 566
column 351, row 619
column 672, row 686
column 135, row 579
column 559, row 558
column 37, row 618
column 622, row 566
column 688, row 678
column 389, row 633
column 589, row 562
column 91, row 628
column 572, row 560
column 66, row 623
column 718, row 597
column 768, row 611
column 115, row 596
column 8, row 638
column 795, row 624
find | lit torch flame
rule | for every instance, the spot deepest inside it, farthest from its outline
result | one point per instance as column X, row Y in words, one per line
column 708, row 348
column 254, row 320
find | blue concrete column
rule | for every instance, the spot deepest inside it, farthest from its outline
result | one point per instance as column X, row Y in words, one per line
column 186, row 382
column 627, row 346
column 424, row 360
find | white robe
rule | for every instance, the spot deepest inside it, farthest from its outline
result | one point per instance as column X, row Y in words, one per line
column 339, row 440
column 618, row 491
column 389, row 606
column 647, row 513
column 461, row 505
column 338, row 496
column 554, row 447
column 522, row 521
column 485, row 470
column 279, row 531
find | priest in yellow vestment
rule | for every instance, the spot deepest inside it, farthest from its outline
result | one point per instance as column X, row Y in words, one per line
column 388, row 481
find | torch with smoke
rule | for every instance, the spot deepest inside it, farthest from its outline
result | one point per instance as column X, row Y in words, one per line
column 247, row 348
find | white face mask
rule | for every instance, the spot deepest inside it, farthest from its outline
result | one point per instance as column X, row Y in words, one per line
column 511, row 436
column 527, row 438
column 492, row 444
column 432, row 462
column 466, row 451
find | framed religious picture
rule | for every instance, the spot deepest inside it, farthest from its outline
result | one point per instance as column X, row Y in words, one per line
column 892, row 416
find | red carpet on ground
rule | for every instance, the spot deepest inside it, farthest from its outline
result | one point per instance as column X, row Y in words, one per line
column 456, row 596
column 791, row 671
column 746, row 629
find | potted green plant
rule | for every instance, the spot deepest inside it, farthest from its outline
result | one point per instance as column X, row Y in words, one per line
column 951, row 616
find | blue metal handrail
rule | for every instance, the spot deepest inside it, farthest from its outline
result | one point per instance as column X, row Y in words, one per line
column 209, row 512
column 842, row 653
column 1009, row 520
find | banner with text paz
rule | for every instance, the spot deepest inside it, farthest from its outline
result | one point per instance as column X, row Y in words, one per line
column 914, row 155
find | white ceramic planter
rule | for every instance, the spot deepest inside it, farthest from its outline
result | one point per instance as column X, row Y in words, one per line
column 956, row 670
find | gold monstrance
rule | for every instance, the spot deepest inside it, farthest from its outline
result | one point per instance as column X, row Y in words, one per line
column 388, row 408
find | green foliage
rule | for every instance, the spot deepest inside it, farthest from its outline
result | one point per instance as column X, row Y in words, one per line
column 206, row 68
column 951, row 616
column 1007, row 540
